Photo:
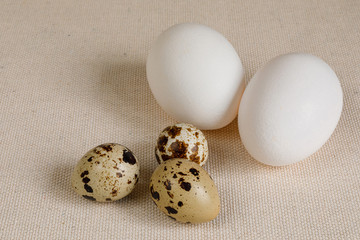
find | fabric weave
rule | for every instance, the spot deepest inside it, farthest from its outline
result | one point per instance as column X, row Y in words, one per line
column 72, row 76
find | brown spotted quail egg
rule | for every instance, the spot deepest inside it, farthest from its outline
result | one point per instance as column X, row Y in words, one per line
column 184, row 191
column 106, row 173
column 182, row 140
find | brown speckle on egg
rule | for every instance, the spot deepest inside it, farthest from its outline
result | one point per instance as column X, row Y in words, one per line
column 86, row 180
column 107, row 147
column 162, row 141
column 171, row 210
column 174, row 131
column 155, row 195
column 89, row 198
column 195, row 158
column 128, row 157
column 178, row 149
column 170, row 194
column 167, row 184
column 83, row 174
column 194, row 171
column 165, row 157
column 88, row 188
column 195, row 148
column 186, row 186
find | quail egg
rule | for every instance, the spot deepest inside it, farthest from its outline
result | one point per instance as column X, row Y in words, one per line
column 106, row 173
column 182, row 140
column 184, row 191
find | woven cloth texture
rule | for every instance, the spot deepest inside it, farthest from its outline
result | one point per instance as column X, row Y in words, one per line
column 72, row 76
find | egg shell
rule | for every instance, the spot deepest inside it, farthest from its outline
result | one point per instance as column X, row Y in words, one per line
column 184, row 191
column 106, row 173
column 289, row 109
column 195, row 75
column 182, row 140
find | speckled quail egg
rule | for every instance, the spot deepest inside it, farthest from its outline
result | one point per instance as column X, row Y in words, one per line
column 184, row 191
column 182, row 140
column 106, row 173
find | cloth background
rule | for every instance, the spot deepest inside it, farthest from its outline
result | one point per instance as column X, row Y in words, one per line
column 72, row 76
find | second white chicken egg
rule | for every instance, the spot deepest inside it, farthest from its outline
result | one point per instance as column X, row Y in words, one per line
column 289, row 109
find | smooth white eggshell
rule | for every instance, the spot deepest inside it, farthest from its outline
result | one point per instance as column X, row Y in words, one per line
column 196, row 76
column 289, row 109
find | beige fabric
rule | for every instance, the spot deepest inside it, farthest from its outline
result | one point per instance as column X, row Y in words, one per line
column 72, row 76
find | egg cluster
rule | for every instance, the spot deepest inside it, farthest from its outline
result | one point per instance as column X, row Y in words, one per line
column 179, row 186
column 287, row 112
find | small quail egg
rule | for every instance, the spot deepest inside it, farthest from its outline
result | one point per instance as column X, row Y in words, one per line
column 182, row 140
column 184, row 191
column 106, row 173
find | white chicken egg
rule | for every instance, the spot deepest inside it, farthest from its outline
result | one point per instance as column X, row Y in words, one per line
column 289, row 109
column 196, row 76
